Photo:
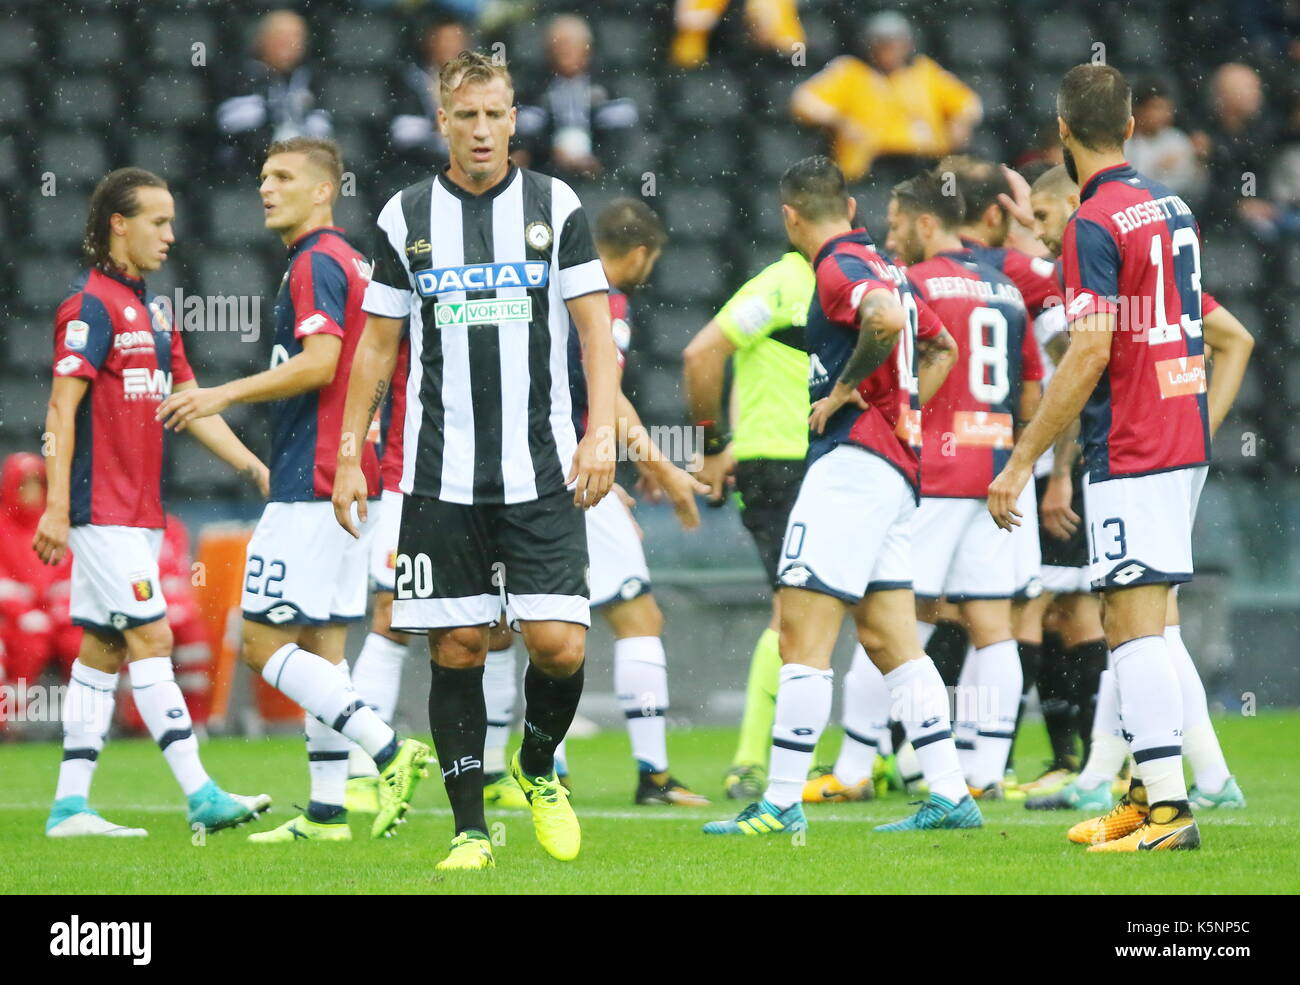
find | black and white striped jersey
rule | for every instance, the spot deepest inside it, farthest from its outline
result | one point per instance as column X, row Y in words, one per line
column 484, row 279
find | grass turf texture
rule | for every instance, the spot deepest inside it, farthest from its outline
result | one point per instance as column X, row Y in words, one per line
column 626, row 849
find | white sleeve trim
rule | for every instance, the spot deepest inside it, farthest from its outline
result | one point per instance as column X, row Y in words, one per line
column 385, row 301
column 583, row 279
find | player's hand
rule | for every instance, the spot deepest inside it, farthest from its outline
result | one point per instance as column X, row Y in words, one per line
column 824, row 409
column 626, row 499
column 647, row 484
column 51, row 540
column 259, row 475
column 714, row 471
column 180, row 408
column 1017, row 203
column 681, row 488
column 1058, row 518
column 349, row 487
column 592, row 471
column 1003, row 493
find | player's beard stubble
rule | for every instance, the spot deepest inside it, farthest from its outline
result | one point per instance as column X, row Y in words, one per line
column 1070, row 167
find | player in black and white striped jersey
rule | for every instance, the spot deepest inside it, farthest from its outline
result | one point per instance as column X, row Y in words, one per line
column 489, row 262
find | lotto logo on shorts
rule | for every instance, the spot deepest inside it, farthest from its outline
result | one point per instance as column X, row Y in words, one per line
column 142, row 588
column 1182, row 376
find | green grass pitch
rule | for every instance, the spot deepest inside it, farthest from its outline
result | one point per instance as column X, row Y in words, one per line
column 626, row 849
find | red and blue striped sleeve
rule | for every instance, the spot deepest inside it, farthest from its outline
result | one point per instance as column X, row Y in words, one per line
column 1090, row 260
column 83, row 335
column 318, row 288
column 181, row 370
column 842, row 281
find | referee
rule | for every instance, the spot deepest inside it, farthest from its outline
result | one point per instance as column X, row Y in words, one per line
column 489, row 262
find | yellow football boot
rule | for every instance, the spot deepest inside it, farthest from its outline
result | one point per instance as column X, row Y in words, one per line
column 828, row 789
column 553, row 819
column 1166, row 829
column 362, row 795
column 470, row 851
column 1119, row 822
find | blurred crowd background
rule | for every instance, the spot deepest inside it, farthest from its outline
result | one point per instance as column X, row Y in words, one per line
column 698, row 106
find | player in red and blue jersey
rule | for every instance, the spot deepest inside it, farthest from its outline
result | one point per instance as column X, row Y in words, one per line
column 306, row 578
column 848, row 540
column 968, row 430
column 1136, row 368
column 117, row 354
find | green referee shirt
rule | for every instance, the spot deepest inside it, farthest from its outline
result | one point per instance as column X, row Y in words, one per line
column 765, row 321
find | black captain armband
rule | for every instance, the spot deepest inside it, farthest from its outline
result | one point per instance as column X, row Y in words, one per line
column 715, row 439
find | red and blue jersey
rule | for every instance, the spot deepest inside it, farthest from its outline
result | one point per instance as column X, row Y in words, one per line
column 847, row 267
column 620, row 316
column 1133, row 250
column 968, row 426
column 113, row 333
column 393, row 426
column 320, row 295
column 1038, row 279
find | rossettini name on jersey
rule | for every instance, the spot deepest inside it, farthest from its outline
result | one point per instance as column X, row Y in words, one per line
column 847, row 268
column 320, row 295
column 484, row 280
column 969, row 424
column 1133, row 250
column 113, row 333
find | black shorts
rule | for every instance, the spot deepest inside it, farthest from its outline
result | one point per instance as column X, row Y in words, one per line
column 458, row 565
column 768, row 488
column 1072, row 553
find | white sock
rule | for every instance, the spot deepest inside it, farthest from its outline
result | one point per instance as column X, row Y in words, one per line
column 328, row 757
column 1151, row 708
column 866, row 708
column 562, row 758
column 924, row 630
column 162, row 706
column 87, row 714
column 920, row 703
column 803, row 706
column 1200, row 743
column 1000, row 679
column 314, row 683
column 965, row 713
column 641, row 683
column 1109, row 747
column 500, row 689
column 377, row 675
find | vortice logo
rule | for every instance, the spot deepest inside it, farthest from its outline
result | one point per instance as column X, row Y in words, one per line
column 482, row 277
column 75, row 939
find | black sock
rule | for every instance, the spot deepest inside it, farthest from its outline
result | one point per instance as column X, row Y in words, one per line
column 458, row 720
column 326, row 813
column 1089, row 660
column 947, row 648
column 549, row 706
column 1031, row 655
column 1055, row 698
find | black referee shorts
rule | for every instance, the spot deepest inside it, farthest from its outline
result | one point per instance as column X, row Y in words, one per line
column 1072, row 553
column 458, row 565
column 768, row 488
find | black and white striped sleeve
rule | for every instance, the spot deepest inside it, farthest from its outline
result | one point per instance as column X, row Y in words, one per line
column 388, row 294
column 579, row 266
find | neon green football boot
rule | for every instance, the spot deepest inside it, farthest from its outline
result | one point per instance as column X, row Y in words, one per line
column 553, row 819
column 302, row 828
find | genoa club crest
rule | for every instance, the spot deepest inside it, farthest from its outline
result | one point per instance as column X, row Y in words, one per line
column 143, row 589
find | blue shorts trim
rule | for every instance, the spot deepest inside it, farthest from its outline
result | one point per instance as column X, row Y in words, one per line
column 127, row 622
column 642, row 587
column 1147, row 577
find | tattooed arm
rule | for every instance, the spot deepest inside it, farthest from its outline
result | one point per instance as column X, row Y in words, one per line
column 936, row 356
column 880, row 319
column 372, row 369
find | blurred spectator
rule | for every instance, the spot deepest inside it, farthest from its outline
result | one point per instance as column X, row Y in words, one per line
column 773, row 24
column 1045, row 150
column 562, row 129
column 35, row 623
column 271, row 98
column 1161, row 151
column 895, row 103
column 1237, row 144
column 413, row 131
column 1284, row 171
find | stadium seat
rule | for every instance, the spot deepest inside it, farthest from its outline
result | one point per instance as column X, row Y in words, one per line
column 771, row 95
column 1141, row 46
column 693, row 274
column 621, row 43
column 14, row 108
column 632, row 153
column 355, row 214
column 236, row 216
column 163, row 151
column 698, row 213
column 232, row 273
column 776, row 148
column 91, row 42
column 976, row 42
column 1230, row 261
column 172, row 38
column 58, row 221
column 13, row 158
column 85, row 100
column 992, row 90
column 27, row 353
column 711, row 154
column 72, row 156
column 711, row 97
column 19, row 46
column 23, row 402
column 176, row 98
column 363, row 42
column 356, row 97
column 1060, row 39
column 666, row 331
column 1039, row 103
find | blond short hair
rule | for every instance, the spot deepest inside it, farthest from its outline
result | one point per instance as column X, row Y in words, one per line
column 323, row 154
column 470, row 67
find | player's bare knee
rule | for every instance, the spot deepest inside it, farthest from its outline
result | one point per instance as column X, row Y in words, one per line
column 500, row 637
column 640, row 616
column 150, row 640
column 464, row 646
column 557, row 650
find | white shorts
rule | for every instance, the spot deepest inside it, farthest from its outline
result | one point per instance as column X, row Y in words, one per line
column 850, row 529
column 1027, row 552
column 115, row 583
column 617, row 572
column 1140, row 527
column 302, row 568
column 383, row 545
column 959, row 553
column 1061, row 580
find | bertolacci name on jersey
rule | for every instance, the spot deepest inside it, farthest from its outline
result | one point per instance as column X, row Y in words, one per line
column 482, row 277
column 965, row 287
